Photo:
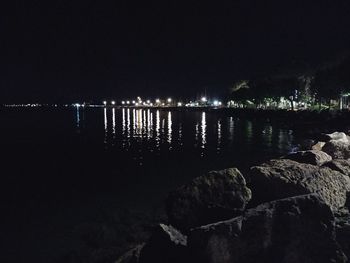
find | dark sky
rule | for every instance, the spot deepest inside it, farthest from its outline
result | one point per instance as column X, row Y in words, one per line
column 68, row 50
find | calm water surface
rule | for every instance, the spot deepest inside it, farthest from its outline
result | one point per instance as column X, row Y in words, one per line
column 62, row 167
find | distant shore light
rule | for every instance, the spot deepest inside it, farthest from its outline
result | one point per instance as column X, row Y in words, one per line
column 169, row 100
column 113, row 102
column 104, row 102
column 203, row 99
column 217, row 103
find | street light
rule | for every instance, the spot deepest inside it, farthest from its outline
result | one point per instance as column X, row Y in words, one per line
column 104, row 102
column 113, row 102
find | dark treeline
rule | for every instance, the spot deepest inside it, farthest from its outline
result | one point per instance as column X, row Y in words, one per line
column 325, row 87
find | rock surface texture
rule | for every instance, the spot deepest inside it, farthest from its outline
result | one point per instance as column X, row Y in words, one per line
column 215, row 196
column 340, row 165
column 338, row 146
column 297, row 229
column 282, row 178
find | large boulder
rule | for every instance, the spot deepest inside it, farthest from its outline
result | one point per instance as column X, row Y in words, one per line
column 215, row 196
column 338, row 149
column 283, row 178
column 312, row 157
column 166, row 245
column 297, row 229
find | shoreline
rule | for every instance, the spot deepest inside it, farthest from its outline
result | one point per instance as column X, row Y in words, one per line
column 311, row 189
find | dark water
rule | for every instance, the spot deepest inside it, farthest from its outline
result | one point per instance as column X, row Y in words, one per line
column 62, row 167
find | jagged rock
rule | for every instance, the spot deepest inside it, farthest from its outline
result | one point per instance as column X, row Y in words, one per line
column 297, row 229
column 312, row 157
column 318, row 146
column 338, row 149
column 131, row 256
column 283, row 178
column 166, row 245
column 215, row 196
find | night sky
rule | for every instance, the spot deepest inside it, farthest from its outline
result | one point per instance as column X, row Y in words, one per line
column 58, row 51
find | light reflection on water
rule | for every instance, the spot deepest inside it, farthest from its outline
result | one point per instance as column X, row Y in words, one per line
column 169, row 129
column 105, row 125
column 203, row 130
column 78, row 117
column 159, row 130
column 113, row 123
column 218, row 135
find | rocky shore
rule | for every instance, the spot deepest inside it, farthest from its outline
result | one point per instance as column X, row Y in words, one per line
column 291, row 209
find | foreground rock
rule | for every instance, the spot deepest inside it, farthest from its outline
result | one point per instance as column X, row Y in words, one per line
column 312, row 157
column 215, row 196
column 297, row 229
column 283, row 178
column 166, row 245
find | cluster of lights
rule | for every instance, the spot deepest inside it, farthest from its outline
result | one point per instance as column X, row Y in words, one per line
column 167, row 102
column 140, row 102
column 28, row 105
column 217, row 103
